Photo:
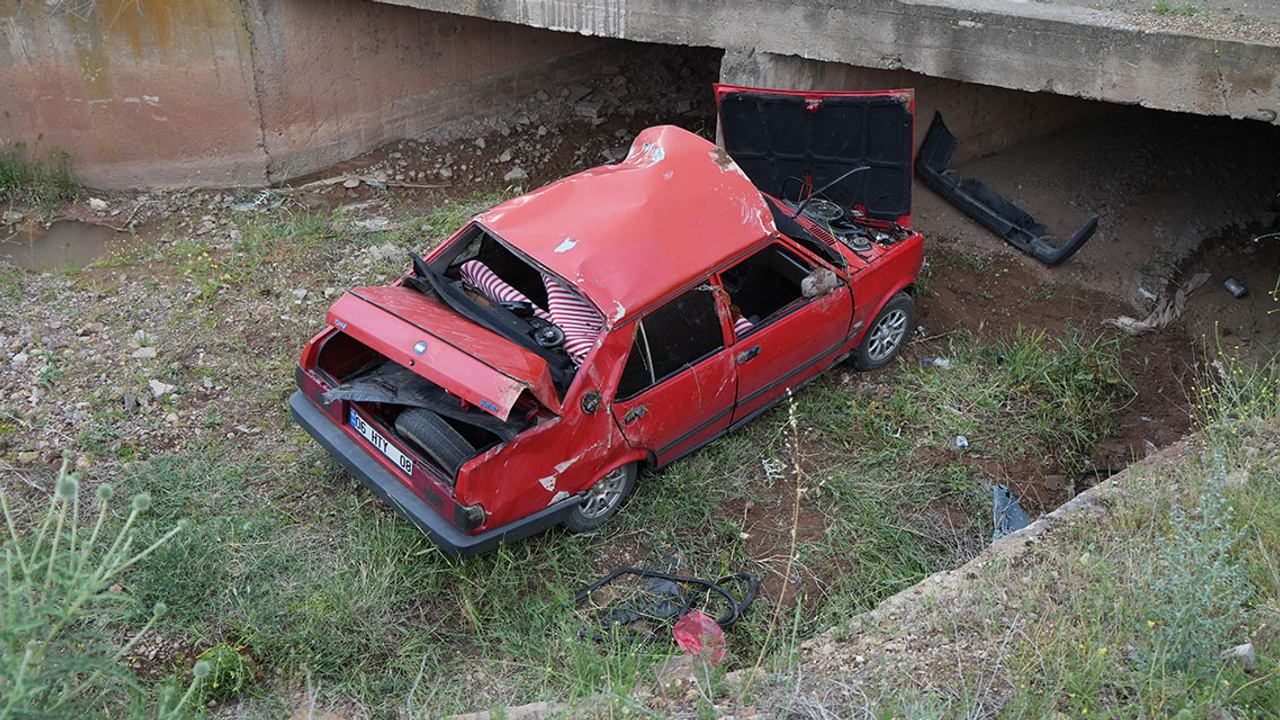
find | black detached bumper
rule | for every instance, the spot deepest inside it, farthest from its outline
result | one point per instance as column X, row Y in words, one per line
column 445, row 535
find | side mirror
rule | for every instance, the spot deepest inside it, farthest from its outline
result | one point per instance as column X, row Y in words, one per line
column 818, row 283
column 591, row 402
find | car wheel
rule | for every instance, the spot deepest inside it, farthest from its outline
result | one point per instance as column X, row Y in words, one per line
column 887, row 334
column 435, row 437
column 602, row 500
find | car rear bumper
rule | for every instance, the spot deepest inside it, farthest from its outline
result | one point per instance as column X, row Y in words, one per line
column 445, row 535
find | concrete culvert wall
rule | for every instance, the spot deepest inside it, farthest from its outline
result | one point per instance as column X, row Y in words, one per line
column 222, row 93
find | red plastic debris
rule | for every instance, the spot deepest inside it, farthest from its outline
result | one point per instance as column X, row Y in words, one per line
column 698, row 634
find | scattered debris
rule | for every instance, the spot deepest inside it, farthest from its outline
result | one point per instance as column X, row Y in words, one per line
column 97, row 205
column 1007, row 514
column 661, row 596
column 981, row 203
column 1235, row 287
column 698, row 634
column 1166, row 310
column 354, row 181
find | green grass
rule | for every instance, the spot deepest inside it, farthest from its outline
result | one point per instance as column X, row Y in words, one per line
column 30, row 179
column 1165, row 7
column 1130, row 614
column 304, row 571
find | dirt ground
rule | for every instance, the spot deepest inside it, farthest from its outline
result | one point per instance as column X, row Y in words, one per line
column 1177, row 195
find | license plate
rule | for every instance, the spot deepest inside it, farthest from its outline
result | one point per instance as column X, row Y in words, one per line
column 375, row 438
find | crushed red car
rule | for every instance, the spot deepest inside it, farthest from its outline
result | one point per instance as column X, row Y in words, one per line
column 518, row 376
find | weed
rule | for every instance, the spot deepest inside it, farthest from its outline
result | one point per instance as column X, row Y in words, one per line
column 231, row 672
column 1043, row 293
column 1232, row 391
column 1195, row 605
column 41, row 182
column 1165, row 7
column 60, row 591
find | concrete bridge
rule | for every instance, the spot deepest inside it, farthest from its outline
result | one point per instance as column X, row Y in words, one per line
column 146, row 93
column 1180, row 60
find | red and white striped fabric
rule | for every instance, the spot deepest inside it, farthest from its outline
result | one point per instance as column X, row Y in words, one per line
column 477, row 274
column 741, row 326
column 581, row 324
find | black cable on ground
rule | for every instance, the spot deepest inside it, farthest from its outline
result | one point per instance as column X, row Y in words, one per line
column 736, row 606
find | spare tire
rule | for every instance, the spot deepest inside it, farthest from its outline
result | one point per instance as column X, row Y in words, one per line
column 435, row 437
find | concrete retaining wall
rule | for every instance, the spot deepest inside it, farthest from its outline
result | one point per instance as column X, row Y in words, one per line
column 124, row 87
column 336, row 78
column 154, row 93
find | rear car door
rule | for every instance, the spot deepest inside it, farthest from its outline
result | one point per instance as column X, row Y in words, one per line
column 677, row 388
column 791, row 316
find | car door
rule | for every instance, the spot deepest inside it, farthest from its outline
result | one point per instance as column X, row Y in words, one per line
column 677, row 388
column 791, row 316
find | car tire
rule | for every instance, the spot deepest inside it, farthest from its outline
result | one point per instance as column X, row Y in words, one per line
column 602, row 500
column 887, row 334
column 436, row 437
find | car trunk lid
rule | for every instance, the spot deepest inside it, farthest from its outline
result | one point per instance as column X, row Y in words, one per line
column 433, row 341
column 779, row 136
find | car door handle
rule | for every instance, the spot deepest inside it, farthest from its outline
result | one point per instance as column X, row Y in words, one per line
column 634, row 414
column 747, row 355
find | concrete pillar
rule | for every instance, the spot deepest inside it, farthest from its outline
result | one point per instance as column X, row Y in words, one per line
column 138, row 92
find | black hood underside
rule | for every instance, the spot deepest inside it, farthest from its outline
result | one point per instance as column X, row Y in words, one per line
column 791, row 144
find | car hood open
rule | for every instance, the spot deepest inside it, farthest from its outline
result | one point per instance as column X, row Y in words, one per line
column 783, row 139
column 479, row 366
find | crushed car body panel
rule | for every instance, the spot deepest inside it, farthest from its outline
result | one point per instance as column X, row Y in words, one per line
column 983, row 204
column 687, row 301
column 822, row 139
column 616, row 231
column 417, row 332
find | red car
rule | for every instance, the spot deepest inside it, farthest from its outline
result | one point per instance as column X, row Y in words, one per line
column 520, row 375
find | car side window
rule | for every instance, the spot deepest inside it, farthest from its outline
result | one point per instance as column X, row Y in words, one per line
column 763, row 284
column 675, row 336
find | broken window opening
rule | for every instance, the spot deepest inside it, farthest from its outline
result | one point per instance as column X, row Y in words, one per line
column 764, row 285
column 675, row 336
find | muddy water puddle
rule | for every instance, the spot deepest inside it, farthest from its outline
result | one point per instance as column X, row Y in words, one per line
column 65, row 243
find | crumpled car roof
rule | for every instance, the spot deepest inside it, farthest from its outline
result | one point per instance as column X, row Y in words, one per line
column 629, row 235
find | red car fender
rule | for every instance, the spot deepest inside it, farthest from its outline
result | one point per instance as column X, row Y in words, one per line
column 899, row 270
column 558, row 457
